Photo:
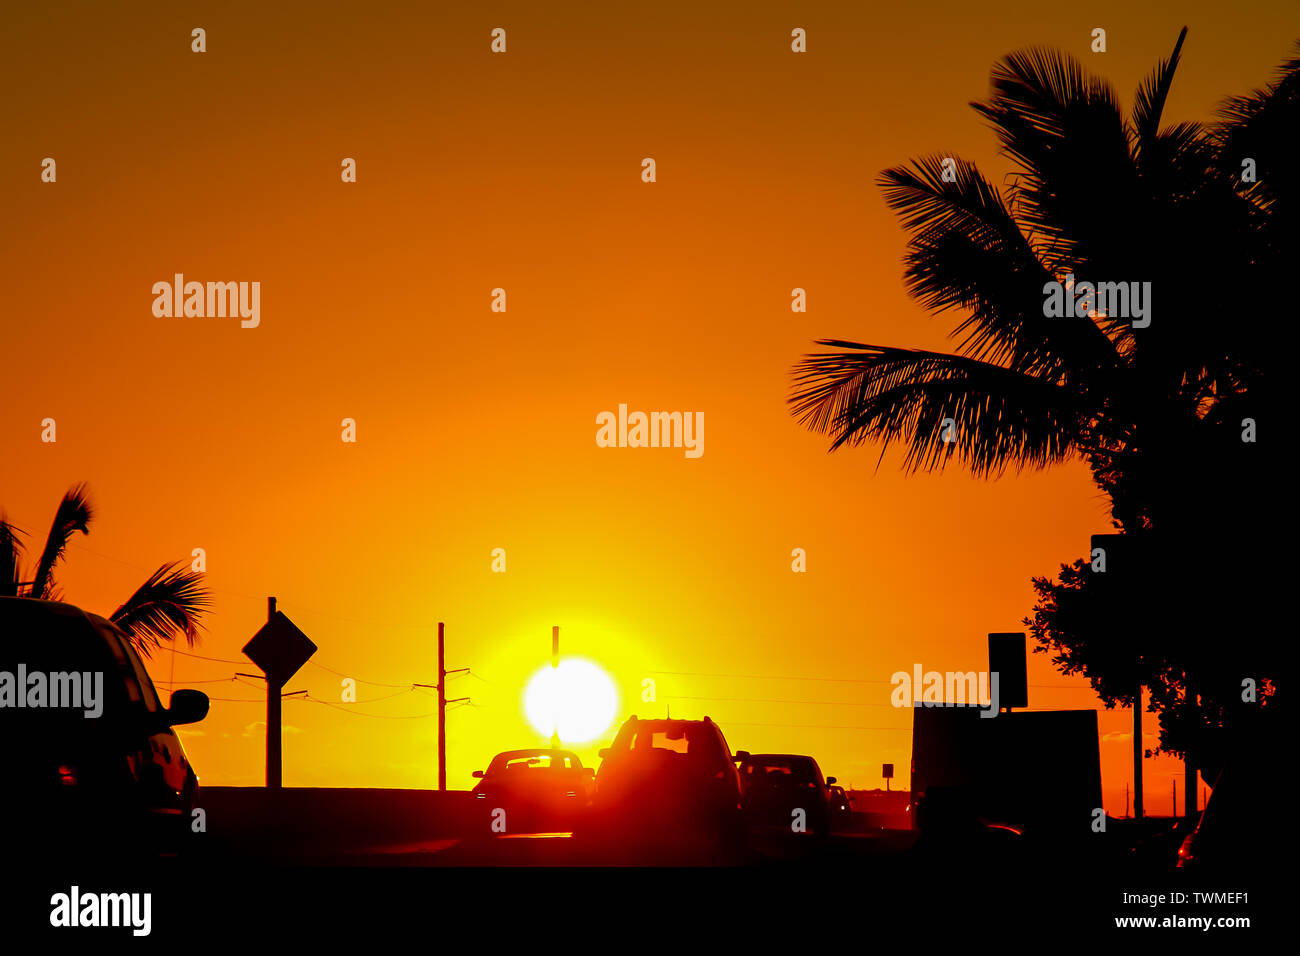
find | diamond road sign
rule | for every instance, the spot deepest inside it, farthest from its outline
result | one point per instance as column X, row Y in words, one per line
column 279, row 648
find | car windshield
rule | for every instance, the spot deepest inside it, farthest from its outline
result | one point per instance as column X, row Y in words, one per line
column 779, row 770
column 676, row 736
column 520, row 762
column 665, row 741
column 139, row 686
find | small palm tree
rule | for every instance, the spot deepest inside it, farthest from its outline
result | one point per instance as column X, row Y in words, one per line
column 1105, row 198
column 168, row 605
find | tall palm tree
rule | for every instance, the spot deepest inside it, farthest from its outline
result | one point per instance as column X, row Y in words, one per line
column 1104, row 198
column 168, row 605
column 1157, row 412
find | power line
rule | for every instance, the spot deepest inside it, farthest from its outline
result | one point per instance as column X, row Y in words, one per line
column 745, row 723
column 373, row 683
column 218, row 660
column 372, row 700
column 345, row 708
column 835, row 680
column 772, row 700
column 215, row 680
column 226, row 660
column 357, row 713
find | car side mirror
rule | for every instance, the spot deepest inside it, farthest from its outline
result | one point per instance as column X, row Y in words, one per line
column 602, row 753
column 831, row 780
column 478, row 774
column 741, row 755
column 187, row 707
column 589, row 771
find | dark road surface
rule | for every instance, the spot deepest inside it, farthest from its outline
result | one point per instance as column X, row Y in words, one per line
column 562, row 849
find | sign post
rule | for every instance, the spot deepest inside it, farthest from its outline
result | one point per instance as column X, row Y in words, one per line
column 279, row 649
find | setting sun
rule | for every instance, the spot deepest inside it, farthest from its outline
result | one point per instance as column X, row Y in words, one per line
column 577, row 700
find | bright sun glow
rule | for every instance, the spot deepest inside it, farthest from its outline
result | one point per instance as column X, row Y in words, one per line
column 577, row 699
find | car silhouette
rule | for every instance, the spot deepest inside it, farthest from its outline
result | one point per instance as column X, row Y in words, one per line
column 776, row 787
column 1240, row 824
column 539, row 790
column 668, row 783
column 117, row 782
column 950, row 829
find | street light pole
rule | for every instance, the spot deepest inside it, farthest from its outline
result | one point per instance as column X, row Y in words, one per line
column 555, row 690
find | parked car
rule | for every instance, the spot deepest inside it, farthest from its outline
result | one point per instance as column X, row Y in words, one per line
column 774, row 787
column 540, row 790
column 951, row 831
column 668, row 782
column 1158, row 848
column 92, row 762
column 1244, row 816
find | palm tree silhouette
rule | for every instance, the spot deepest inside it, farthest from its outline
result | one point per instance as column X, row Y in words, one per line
column 1104, row 198
column 168, row 605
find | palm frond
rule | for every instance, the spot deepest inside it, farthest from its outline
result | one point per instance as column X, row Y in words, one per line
column 11, row 553
column 1065, row 131
column 1000, row 417
column 1151, row 98
column 1042, row 98
column 74, row 514
column 1237, row 111
column 1264, row 125
column 167, row 606
column 968, row 251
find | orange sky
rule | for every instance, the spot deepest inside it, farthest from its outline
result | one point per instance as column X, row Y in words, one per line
column 476, row 429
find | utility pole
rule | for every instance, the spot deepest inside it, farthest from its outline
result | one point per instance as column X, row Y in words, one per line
column 1137, row 755
column 442, row 711
column 1189, row 756
column 273, row 738
column 442, row 705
